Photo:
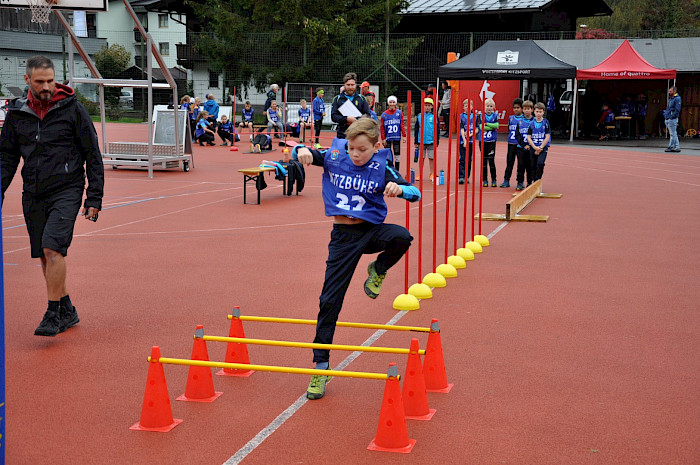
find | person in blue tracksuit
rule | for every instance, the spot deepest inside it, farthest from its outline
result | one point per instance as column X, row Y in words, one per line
column 426, row 132
column 468, row 131
column 393, row 130
column 538, row 136
column 226, row 131
column 356, row 178
column 512, row 153
column 319, row 109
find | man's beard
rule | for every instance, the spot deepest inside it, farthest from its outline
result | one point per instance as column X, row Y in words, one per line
column 45, row 96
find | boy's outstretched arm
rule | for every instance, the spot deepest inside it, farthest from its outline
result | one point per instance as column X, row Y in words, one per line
column 308, row 156
column 397, row 186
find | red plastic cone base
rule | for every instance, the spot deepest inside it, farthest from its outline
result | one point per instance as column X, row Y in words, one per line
column 425, row 417
column 239, row 373
column 163, row 429
column 233, row 149
column 216, row 395
column 443, row 390
column 400, row 450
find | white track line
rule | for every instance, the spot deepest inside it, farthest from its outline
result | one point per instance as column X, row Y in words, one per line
column 275, row 424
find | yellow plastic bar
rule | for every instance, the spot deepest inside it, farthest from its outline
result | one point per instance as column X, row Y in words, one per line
column 309, row 345
column 271, row 368
column 339, row 323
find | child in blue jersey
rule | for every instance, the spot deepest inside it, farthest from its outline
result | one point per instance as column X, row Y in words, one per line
column 538, row 136
column 274, row 120
column 513, row 121
column 467, row 128
column 261, row 142
column 319, row 108
column 194, row 108
column 426, row 135
column 226, row 131
column 356, row 177
column 523, row 146
column 304, row 119
column 203, row 133
column 247, row 117
column 490, row 136
column 393, row 130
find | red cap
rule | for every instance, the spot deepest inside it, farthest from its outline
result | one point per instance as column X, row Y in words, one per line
column 364, row 84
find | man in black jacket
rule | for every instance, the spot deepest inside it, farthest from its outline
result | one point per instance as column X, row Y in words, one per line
column 358, row 100
column 54, row 135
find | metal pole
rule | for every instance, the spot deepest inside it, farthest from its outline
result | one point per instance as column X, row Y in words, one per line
column 386, row 51
column 573, row 110
column 345, row 324
column 149, row 71
column 309, row 345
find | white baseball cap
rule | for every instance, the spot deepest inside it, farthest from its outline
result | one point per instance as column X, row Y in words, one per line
column 392, row 98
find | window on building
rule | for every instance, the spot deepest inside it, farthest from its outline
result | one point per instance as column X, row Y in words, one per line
column 162, row 20
column 164, row 48
column 213, row 79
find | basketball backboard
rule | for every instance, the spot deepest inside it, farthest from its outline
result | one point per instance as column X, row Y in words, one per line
column 84, row 5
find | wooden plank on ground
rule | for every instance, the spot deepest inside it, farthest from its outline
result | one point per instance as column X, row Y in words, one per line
column 548, row 196
column 531, row 218
column 520, row 201
column 490, row 217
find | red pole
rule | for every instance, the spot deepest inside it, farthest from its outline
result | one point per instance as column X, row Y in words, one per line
column 436, row 123
column 408, row 177
column 313, row 122
column 481, row 184
column 473, row 126
column 447, row 184
column 421, row 133
column 454, row 242
column 284, row 124
column 233, row 120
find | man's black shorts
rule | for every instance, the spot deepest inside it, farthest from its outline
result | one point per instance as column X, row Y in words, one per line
column 50, row 219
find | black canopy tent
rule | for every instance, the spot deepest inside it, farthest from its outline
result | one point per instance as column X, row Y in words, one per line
column 508, row 59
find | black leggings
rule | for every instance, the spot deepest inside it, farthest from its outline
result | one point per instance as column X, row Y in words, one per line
column 489, row 161
column 348, row 244
column 317, row 128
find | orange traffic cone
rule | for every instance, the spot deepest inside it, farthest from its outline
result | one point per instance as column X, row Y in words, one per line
column 156, row 413
column 235, row 351
column 200, row 386
column 434, row 366
column 415, row 397
column 392, row 435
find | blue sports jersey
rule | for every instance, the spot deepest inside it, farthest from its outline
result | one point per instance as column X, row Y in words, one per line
column 200, row 127
column 195, row 111
column 227, row 126
column 351, row 190
column 467, row 124
column 392, row 125
column 538, row 131
column 523, row 126
column 319, row 108
column 305, row 114
column 274, row 117
column 427, row 135
column 490, row 135
column 248, row 114
column 512, row 127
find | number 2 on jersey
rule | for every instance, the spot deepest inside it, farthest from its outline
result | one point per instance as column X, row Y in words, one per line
column 344, row 203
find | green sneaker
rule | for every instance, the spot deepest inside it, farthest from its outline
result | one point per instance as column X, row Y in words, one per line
column 317, row 386
column 373, row 284
column 318, row 146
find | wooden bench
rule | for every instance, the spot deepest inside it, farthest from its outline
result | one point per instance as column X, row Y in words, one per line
column 254, row 175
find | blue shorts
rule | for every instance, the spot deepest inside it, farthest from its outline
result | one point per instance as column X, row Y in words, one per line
column 50, row 219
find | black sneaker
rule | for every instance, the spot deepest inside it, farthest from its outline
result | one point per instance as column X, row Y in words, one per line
column 68, row 318
column 50, row 325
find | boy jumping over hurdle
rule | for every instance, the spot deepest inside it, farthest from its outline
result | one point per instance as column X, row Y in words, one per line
column 356, row 177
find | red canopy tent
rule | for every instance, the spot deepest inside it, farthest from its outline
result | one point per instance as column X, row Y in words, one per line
column 624, row 63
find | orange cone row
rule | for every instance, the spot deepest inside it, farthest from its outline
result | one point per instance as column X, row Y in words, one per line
column 397, row 405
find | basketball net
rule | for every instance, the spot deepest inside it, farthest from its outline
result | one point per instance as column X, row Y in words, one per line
column 41, row 10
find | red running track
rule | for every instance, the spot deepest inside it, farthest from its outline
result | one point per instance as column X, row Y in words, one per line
column 573, row 341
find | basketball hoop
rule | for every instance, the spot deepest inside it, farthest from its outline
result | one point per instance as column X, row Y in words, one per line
column 41, row 10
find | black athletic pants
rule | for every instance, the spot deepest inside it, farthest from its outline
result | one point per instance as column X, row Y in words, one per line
column 537, row 163
column 510, row 161
column 462, row 156
column 348, row 244
column 523, row 166
column 317, row 128
column 489, row 161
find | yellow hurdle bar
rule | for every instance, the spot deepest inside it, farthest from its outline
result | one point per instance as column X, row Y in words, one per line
column 271, row 368
column 339, row 323
column 309, row 345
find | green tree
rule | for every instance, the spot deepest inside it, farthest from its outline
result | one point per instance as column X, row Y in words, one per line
column 292, row 40
column 110, row 62
column 657, row 15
